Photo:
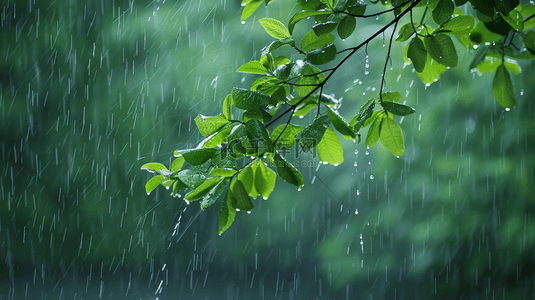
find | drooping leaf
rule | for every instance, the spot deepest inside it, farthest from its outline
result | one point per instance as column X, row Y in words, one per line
column 309, row 4
column 390, row 96
column 330, row 149
column 502, row 88
column 417, row 54
column 214, row 194
column 346, row 27
column 506, row 6
column 341, row 125
column 443, row 11
column 249, row 9
column 481, row 34
column 276, row 45
column 246, row 99
column 287, row 171
column 267, row 61
column 341, row 5
column 254, row 67
column 405, row 32
column 440, row 47
column 514, row 19
column 153, row 167
column 322, row 56
column 373, row 133
column 197, row 157
column 365, row 113
column 479, row 57
column 258, row 136
column 357, row 9
column 153, row 183
column 527, row 11
column 392, row 137
column 529, row 40
column 265, row 179
column 256, row 114
column 483, row 6
column 398, row 109
column 286, row 138
column 323, row 28
column 491, row 64
column 460, row 24
column 227, row 107
column 223, row 172
column 309, row 137
column 178, row 187
column 177, row 164
column 191, row 178
column 227, row 212
column 209, row 125
column 275, row 28
column 203, row 189
column 247, row 177
column 432, row 71
column 303, row 15
column 243, row 202
column 311, row 41
column 499, row 26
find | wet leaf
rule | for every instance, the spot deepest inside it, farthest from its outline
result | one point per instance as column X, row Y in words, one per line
column 330, row 149
column 275, row 28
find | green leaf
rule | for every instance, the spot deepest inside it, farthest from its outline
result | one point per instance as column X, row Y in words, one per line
column 191, row 178
column 481, row 34
column 153, row 167
column 153, row 183
column 365, row 113
column 312, row 42
column 506, row 6
column 397, row 108
column 491, row 64
column 390, row 96
column 276, row 44
column 330, row 149
column 243, row 202
column 417, row 54
column 288, row 172
column 502, row 88
column 223, row 172
column 249, row 9
column 275, row 28
column 246, row 176
column 254, row 67
column 177, row 164
column 460, row 24
column 405, row 32
column 514, row 19
column 309, row 4
column 346, row 27
column 479, row 57
column 341, row 125
column 258, row 136
column 323, row 28
column 483, row 6
column 309, row 137
column 303, row 15
column 267, row 61
column 214, row 194
column 256, row 114
column 246, row 99
column 283, row 72
column 178, row 187
column 357, row 9
column 443, row 11
column 499, row 26
column 432, row 71
column 265, row 179
column 286, row 138
column 322, row 56
column 440, row 47
column 341, row 5
column 227, row 107
column 529, row 40
column 209, row 125
column 392, row 137
column 197, row 157
column 527, row 11
column 373, row 133
column 203, row 189
column 227, row 213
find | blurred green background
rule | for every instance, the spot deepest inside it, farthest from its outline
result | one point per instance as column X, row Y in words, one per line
column 91, row 90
